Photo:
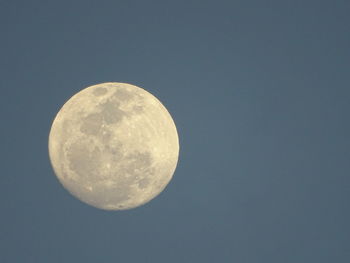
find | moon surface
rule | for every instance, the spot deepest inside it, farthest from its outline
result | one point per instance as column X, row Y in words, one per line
column 114, row 146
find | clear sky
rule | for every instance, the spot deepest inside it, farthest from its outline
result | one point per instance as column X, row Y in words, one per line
column 259, row 91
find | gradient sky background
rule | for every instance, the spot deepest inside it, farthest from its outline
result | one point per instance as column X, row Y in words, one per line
column 259, row 91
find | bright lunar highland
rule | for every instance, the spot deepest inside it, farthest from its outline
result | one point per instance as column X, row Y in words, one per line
column 114, row 146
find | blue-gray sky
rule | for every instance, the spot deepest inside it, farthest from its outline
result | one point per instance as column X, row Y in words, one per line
column 259, row 91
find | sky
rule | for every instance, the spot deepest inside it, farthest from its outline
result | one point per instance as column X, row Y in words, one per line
column 259, row 92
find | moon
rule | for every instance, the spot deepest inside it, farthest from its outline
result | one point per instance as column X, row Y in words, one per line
column 114, row 146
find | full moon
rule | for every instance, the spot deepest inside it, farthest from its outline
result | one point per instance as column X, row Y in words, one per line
column 114, row 146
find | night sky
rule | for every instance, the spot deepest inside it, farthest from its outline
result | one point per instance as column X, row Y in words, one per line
column 260, row 94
